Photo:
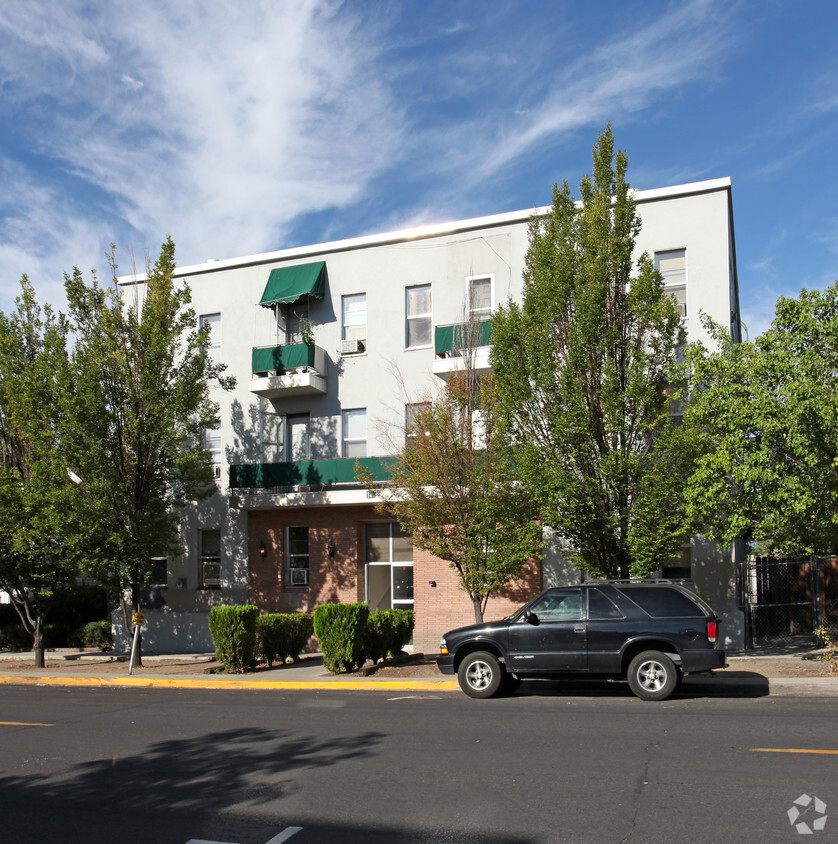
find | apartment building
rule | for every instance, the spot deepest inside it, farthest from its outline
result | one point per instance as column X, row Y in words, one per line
column 333, row 346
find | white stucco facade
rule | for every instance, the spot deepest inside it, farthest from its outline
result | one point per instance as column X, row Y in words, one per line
column 259, row 415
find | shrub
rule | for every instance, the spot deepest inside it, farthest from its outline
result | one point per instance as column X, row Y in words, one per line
column 341, row 631
column 13, row 637
column 403, row 621
column 233, row 630
column 388, row 631
column 94, row 634
column 282, row 635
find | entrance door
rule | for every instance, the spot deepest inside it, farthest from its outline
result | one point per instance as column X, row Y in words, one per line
column 388, row 567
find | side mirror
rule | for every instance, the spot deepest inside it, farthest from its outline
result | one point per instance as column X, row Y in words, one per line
column 530, row 617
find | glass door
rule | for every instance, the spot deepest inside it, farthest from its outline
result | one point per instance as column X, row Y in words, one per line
column 388, row 567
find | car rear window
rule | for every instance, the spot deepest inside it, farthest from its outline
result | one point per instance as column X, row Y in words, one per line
column 663, row 603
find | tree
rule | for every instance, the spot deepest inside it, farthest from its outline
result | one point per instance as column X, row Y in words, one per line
column 136, row 413
column 770, row 409
column 583, row 366
column 36, row 508
column 454, row 488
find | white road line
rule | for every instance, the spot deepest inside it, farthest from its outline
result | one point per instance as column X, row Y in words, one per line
column 277, row 839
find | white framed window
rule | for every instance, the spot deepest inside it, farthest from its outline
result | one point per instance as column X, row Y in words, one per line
column 353, row 323
column 388, row 566
column 297, row 558
column 355, row 432
column 212, row 443
column 210, row 559
column 480, row 297
column 298, row 441
column 411, row 411
column 214, row 323
column 673, row 267
column 270, row 437
column 417, row 308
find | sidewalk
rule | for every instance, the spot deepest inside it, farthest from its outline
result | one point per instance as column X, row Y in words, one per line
column 748, row 675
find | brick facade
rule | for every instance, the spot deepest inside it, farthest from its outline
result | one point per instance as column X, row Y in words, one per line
column 438, row 608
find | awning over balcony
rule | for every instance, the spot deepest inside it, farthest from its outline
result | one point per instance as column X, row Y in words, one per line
column 287, row 285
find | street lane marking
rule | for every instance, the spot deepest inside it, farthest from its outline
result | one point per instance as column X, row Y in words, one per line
column 277, row 839
column 790, row 750
column 22, row 724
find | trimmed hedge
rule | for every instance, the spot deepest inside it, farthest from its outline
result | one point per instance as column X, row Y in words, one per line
column 281, row 635
column 94, row 634
column 388, row 631
column 341, row 631
column 233, row 630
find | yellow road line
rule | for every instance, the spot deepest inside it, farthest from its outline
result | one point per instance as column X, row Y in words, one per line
column 22, row 724
column 210, row 683
column 791, row 750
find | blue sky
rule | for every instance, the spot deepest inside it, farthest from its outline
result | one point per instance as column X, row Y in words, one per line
column 254, row 126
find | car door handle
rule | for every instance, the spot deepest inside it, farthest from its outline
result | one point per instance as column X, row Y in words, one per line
column 579, row 629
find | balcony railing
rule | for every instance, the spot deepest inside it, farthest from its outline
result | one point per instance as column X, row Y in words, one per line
column 293, row 370
column 453, row 342
column 308, row 475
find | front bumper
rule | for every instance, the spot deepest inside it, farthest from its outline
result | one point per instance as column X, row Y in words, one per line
column 445, row 663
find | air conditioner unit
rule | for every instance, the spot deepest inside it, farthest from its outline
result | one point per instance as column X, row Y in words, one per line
column 351, row 347
column 299, row 577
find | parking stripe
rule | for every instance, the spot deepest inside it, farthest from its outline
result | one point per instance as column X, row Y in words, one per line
column 791, row 750
column 22, row 724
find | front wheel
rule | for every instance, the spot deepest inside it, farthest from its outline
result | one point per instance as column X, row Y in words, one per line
column 480, row 675
column 652, row 675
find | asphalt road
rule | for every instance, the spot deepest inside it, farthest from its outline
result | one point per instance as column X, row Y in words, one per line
column 169, row 767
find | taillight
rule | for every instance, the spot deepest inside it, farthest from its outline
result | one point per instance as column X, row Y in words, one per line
column 712, row 630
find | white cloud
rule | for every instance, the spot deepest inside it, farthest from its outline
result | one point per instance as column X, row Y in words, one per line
column 215, row 123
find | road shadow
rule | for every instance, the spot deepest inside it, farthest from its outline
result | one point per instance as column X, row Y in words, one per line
column 736, row 684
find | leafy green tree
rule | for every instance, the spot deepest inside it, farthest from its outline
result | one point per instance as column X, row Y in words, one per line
column 36, row 508
column 136, row 412
column 583, row 366
column 770, row 410
column 454, row 489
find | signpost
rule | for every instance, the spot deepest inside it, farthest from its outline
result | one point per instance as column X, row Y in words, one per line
column 138, row 620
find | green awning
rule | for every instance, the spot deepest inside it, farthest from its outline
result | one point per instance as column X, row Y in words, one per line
column 287, row 285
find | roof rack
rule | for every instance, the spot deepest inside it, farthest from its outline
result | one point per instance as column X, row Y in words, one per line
column 641, row 580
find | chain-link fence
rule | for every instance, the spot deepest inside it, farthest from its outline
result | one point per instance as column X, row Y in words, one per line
column 787, row 599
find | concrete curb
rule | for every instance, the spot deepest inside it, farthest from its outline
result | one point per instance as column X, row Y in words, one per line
column 368, row 685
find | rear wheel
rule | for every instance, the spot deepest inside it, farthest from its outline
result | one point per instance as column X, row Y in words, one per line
column 652, row 675
column 480, row 675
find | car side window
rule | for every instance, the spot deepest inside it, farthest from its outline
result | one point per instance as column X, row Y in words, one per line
column 564, row 605
column 600, row 607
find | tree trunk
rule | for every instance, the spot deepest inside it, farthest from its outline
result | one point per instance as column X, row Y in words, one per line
column 477, row 602
column 38, row 644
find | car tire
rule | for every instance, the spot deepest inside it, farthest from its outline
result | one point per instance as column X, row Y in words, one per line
column 480, row 675
column 652, row 675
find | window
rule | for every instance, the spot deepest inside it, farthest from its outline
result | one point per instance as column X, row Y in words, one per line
column 600, row 607
column 389, row 567
column 411, row 411
column 214, row 323
column 270, row 442
column 418, row 316
column 355, row 432
column 673, row 268
column 210, row 559
column 479, row 297
column 296, row 324
column 212, row 443
column 354, row 317
column 296, row 571
column 558, row 605
column 297, row 445
column 663, row 603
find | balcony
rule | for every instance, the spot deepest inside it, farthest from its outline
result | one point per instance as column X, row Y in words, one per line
column 295, row 370
column 306, row 482
column 451, row 344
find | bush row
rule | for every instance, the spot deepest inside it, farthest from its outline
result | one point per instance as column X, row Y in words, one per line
column 347, row 634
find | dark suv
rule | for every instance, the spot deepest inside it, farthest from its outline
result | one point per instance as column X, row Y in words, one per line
column 648, row 632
